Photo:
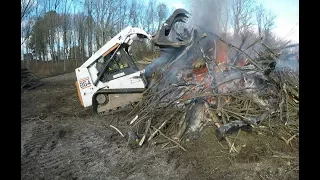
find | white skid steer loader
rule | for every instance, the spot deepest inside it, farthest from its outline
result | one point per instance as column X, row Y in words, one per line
column 110, row 79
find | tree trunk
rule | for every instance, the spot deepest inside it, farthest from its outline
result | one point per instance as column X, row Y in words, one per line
column 64, row 65
column 58, row 47
column 70, row 47
column 97, row 40
column 36, row 61
column 51, row 61
column 82, row 48
column 90, row 37
column 27, row 62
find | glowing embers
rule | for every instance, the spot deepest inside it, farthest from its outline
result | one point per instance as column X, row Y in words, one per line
column 198, row 77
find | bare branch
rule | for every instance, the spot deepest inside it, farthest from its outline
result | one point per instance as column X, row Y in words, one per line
column 26, row 7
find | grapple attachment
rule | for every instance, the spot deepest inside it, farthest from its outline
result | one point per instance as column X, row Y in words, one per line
column 161, row 37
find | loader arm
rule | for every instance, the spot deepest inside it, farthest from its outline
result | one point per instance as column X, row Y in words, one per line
column 110, row 79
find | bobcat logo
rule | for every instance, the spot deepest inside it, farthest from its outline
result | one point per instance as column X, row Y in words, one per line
column 84, row 83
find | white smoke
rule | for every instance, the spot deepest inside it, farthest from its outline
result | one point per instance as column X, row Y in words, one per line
column 211, row 15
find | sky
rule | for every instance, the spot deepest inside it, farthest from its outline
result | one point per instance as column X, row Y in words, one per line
column 287, row 12
column 287, row 21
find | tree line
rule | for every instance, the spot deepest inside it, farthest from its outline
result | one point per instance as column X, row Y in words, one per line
column 68, row 29
column 53, row 31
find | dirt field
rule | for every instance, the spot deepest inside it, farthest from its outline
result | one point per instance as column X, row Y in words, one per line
column 62, row 140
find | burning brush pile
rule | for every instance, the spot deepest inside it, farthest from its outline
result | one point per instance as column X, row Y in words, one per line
column 202, row 80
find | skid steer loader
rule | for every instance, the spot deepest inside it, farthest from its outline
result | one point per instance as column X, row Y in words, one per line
column 110, row 79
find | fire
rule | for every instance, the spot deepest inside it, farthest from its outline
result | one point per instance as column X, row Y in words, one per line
column 222, row 59
column 199, row 74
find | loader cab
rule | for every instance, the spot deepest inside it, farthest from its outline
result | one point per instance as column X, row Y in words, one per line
column 118, row 63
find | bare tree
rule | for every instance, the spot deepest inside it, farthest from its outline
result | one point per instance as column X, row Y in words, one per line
column 51, row 20
column 133, row 13
column 38, row 41
column 242, row 11
column 151, row 14
column 259, row 17
column 123, row 17
column 265, row 21
column 102, row 14
column 108, row 21
column 68, row 29
column 269, row 22
column 73, row 37
column 26, row 8
column 88, row 7
column 98, row 6
column 225, row 16
column 65, row 26
column 144, row 21
column 162, row 13
column 80, row 19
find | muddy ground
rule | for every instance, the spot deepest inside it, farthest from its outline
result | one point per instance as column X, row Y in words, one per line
column 62, row 140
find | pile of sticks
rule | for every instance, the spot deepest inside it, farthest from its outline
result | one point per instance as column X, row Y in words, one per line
column 165, row 116
column 28, row 79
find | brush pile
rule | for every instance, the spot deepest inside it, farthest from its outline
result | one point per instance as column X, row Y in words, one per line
column 28, row 79
column 202, row 80
column 211, row 82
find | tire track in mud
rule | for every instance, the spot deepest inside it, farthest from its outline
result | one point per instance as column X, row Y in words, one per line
column 42, row 153
column 87, row 149
column 72, row 152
